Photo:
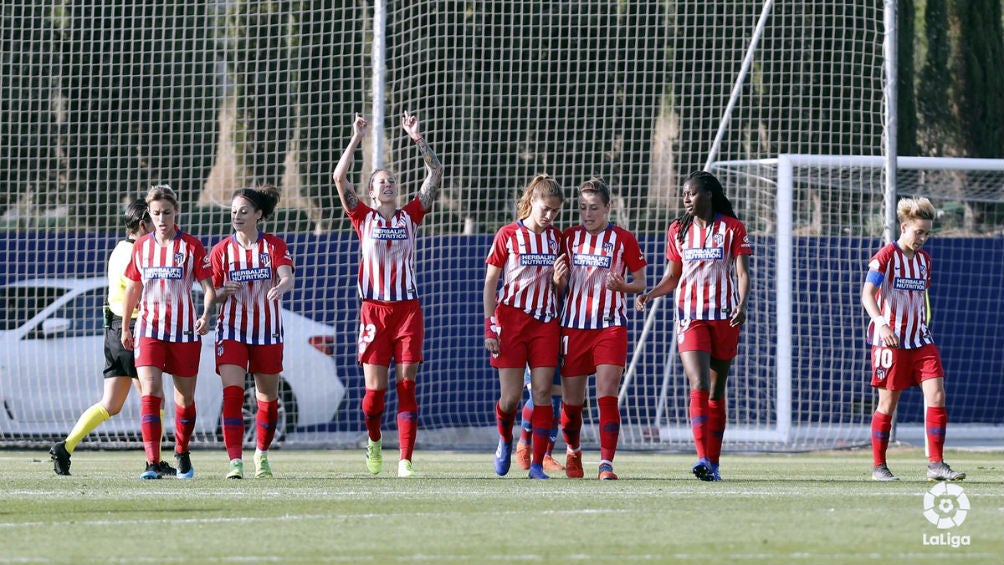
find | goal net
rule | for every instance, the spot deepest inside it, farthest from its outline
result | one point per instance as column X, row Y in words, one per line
column 102, row 100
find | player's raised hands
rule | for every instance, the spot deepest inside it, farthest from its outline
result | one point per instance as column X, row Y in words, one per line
column 360, row 125
column 409, row 122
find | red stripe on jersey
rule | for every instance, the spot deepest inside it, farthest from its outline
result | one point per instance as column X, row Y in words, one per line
column 707, row 289
column 167, row 273
column 387, row 252
column 248, row 316
column 527, row 262
column 902, row 295
column 589, row 304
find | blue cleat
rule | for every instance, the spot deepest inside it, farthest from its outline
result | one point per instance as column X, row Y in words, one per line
column 152, row 472
column 185, row 470
column 702, row 470
column 537, row 472
column 714, row 473
column 503, row 457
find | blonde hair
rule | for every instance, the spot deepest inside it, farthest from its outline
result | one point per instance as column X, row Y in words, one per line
column 162, row 192
column 541, row 186
column 914, row 209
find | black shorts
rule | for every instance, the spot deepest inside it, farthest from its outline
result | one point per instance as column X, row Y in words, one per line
column 119, row 361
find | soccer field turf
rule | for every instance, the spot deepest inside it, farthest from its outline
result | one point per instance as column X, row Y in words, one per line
column 323, row 507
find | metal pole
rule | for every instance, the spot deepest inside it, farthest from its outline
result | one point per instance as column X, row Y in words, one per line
column 379, row 57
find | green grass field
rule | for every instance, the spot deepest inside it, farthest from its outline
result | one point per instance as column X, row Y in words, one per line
column 323, row 507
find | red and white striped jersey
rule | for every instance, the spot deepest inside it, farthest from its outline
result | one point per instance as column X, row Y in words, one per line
column 589, row 304
column 707, row 289
column 387, row 251
column 902, row 295
column 527, row 262
column 248, row 316
column 167, row 272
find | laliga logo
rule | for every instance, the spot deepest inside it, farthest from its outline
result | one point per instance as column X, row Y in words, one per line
column 946, row 506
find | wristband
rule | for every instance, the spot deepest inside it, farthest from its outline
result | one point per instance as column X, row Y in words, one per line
column 879, row 321
column 492, row 328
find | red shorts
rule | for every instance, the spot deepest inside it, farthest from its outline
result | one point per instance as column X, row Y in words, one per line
column 898, row 369
column 583, row 350
column 263, row 359
column 390, row 330
column 525, row 340
column 717, row 337
column 180, row 359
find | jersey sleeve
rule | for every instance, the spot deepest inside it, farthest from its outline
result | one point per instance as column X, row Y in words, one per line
column 200, row 261
column 216, row 257
column 415, row 210
column 499, row 254
column 672, row 251
column 281, row 255
column 132, row 271
column 633, row 257
column 741, row 243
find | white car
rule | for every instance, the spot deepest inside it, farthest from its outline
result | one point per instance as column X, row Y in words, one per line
column 52, row 360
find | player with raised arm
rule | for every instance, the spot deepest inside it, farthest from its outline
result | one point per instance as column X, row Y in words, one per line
column 165, row 265
column 391, row 326
column 120, row 363
column 708, row 253
column 594, row 337
column 252, row 270
column 521, row 326
column 903, row 352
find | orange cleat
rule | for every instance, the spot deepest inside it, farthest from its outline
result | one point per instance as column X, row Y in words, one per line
column 551, row 465
column 573, row 465
column 523, row 455
column 607, row 472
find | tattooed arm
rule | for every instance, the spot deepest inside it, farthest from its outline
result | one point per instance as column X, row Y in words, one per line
column 346, row 192
column 434, row 169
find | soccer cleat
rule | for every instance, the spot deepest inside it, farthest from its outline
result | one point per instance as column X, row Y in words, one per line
column 523, row 455
column 152, row 472
column 262, row 470
column 715, row 475
column 404, row 469
column 702, row 470
column 882, row 473
column 166, row 470
column 185, row 470
column 607, row 472
column 551, row 465
column 374, row 455
column 503, row 457
column 236, row 469
column 940, row 471
column 60, row 458
column 573, row 465
column 537, row 472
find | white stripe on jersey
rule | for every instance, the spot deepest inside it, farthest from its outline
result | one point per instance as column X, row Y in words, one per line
column 387, row 254
column 589, row 304
column 707, row 288
column 901, row 297
column 166, row 311
column 248, row 316
column 528, row 269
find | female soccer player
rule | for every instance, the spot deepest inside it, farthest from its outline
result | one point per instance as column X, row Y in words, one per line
column 521, row 326
column 593, row 321
column 391, row 325
column 120, row 366
column 708, row 253
column 252, row 270
column 903, row 351
column 165, row 264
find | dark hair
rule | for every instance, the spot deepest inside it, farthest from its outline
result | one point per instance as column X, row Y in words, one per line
column 135, row 213
column 263, row 197
column 542, row 186
column 596, row 185
column 720, row 204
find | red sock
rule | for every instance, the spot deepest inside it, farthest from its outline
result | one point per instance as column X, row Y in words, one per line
column 571, row 425
column 373, row 401
column 936, row 421
column 716, row 428
column 233, row 420
column 881, row 425
column 610, row 427
column 543, row 419
column 151, row 427
column 504, row 423
column 266, row 419
column 526, row 425
column 699, row 421
column 184, row 425
column 407, row 417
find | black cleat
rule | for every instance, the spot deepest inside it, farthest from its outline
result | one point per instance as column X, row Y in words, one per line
column 185, row 470
column 166, row 469
column 151, row 472
column 60, row 458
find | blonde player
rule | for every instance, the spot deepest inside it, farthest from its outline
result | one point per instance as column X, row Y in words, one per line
column 903, row 352
column 391, row 326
